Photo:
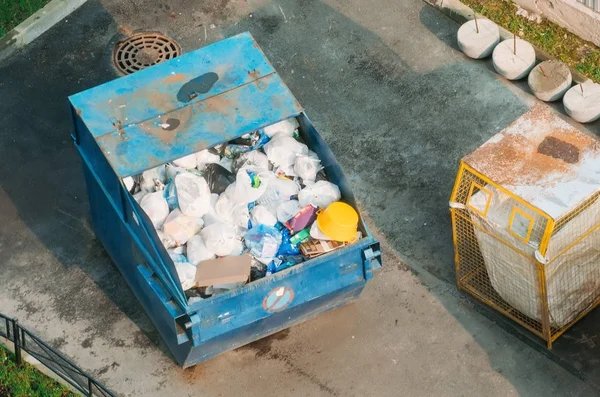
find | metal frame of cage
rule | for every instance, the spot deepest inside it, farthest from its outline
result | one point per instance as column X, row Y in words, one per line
column 471, row 272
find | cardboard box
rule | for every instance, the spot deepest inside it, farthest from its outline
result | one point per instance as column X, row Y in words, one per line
column 229, row 269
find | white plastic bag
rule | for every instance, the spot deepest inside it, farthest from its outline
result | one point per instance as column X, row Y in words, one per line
column 282, row 151
column 187, row 274
column 316, row 233
column 181, row 227
column 319, row 194
column 220, row 237
column 156, row 207
column 187, row 162
column 150, row 178
column 231, row 212
column 211, row 216
column 243, row 192
column 260, row 215
column 254, row 159
column 139, row 196
column 226, row 163
column 287, row 209
column 285, row 127
column 128, row 182
column 205, row 157
column 307, row 165
column 285, row 187
column 171, row 171
column 193, row 194
column 197, row 251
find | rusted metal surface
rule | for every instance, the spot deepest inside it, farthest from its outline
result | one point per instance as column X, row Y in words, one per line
column 543, row 159
column 184, row 105
column 200, row 125
column 154, row 91
column 142, row 50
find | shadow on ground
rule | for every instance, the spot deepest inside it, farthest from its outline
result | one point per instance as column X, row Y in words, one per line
column 397, row 114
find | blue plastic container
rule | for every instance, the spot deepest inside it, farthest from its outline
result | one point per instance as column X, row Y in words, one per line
column 176, row 108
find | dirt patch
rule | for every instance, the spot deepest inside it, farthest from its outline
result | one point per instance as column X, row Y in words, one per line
column 263, row 347
column 548, row 76
column 559, row 149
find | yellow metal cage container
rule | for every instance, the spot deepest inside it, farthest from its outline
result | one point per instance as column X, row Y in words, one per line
column 525, row 222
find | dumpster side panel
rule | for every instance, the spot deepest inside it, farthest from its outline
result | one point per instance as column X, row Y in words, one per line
column 282, row 291
column 133, row 265
column 269, row 325
column 102, row 178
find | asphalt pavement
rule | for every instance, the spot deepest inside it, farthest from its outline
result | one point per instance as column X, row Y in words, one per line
column 397, row 103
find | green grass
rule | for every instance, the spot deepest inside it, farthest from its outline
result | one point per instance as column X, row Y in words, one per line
column 26, row 381
column 581, row 55
column 13, row 12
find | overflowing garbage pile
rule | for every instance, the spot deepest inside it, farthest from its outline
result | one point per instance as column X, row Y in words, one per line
column 244, row 210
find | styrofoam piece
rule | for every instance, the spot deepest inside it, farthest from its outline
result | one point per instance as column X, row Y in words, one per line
column 511, row 64
column 550, row 80
column 480, row 44
column 582, row 102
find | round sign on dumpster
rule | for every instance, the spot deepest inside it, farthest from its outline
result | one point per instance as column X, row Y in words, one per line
column 278, row 299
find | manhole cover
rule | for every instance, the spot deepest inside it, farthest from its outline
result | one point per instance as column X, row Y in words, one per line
column 142, row 50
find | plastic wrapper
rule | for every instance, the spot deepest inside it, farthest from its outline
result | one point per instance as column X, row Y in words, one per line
column 197, row 250
column 205, row 157
column 287, row 247
column 218, row 178
column 193, row 194
column 281, row 263
column 156, row 207
column 263, row 241
column 170, row 194
column 320, row 194
column 220, row 237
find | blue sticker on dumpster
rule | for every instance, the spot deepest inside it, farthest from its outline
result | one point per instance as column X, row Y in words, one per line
column 278, row 299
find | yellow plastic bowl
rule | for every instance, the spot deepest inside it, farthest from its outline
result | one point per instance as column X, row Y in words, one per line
column 339, row 222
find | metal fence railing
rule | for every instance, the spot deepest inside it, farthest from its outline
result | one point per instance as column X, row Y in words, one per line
column 593, row 4
column 23, row 340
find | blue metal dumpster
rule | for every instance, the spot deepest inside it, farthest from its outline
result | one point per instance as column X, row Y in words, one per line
column 206, row 97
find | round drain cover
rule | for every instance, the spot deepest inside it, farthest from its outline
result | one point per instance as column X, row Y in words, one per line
column 142, row 50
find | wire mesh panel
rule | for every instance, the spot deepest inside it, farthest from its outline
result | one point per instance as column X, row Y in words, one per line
column 515, row 258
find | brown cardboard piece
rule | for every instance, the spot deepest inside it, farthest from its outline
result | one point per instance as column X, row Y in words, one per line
column 229, row 269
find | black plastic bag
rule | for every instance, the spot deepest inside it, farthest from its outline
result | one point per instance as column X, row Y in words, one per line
column 218, row 178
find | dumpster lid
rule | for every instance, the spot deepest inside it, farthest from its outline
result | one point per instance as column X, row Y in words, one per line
column 542, row 159
column 198, row 100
